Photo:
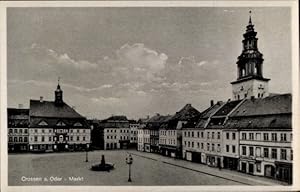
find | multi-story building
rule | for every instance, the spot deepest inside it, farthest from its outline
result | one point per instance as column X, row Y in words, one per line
column 55, row 126
column 18, row 123
column 152, row 126
column 142, row 134
column 265, row 136
column 116, row 132
column 195, row 137
column 133, row 125
column 170, row 132
column 217, row 148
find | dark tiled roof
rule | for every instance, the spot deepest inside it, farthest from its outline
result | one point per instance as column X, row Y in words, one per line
column 281, row 121
column 186, row 113
column 49, row 109
column 207, row 113
column 225, row 109
column 104, row 124
column 52, row 122
column 156, row 121
column 115, row 122
column 132, row 121
column 117, row 118
column 277, row 104
column 18, row 117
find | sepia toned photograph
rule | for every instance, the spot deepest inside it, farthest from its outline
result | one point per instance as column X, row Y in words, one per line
column 149, row 96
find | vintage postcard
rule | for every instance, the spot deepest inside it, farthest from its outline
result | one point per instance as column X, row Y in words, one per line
column 142, row 96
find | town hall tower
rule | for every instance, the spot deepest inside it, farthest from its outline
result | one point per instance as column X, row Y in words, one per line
column 250, row 81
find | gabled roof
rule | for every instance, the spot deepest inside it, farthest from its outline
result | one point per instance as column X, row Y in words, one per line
column 277, row 104
column 186, row 113
column 227, row 108
column 156, row 121
column 212, row 109
column 207, row 113
column 51, row 110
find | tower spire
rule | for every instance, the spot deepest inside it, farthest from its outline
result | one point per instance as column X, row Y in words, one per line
column 250, row 21
column 58, row 81
column 58, row 94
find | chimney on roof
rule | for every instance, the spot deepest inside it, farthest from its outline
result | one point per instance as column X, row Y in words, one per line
column 211, row 102
column 41, row 99
column 20, row 106
column 148, row 117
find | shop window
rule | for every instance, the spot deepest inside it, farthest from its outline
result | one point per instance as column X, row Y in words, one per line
column 258, row 167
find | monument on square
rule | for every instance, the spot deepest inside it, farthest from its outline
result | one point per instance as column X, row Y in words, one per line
column 103, row 166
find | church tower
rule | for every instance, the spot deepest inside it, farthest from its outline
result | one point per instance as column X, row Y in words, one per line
column 58, row 95
column 250, row 81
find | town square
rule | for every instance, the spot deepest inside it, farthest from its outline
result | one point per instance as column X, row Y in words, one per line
column 72, row 169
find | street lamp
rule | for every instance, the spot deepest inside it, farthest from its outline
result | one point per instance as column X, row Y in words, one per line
column 86, row 154
column 129, row 161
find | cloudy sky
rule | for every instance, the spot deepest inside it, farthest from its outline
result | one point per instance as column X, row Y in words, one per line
column 139, row 61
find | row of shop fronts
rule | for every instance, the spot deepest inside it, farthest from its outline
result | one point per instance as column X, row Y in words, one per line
column 277, row 170
column 63, row 147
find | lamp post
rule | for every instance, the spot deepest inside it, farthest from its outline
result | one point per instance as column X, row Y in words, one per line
column 129, row 161
column 86, row 154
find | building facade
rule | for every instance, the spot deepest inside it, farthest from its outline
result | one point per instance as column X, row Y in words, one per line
column 133, row 125
column 170, row 132
column 116, row 132
column 18, row 123
column 55, row 126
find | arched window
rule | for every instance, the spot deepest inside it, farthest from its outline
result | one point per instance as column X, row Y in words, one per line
column 258, row 95
column 243, row 72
